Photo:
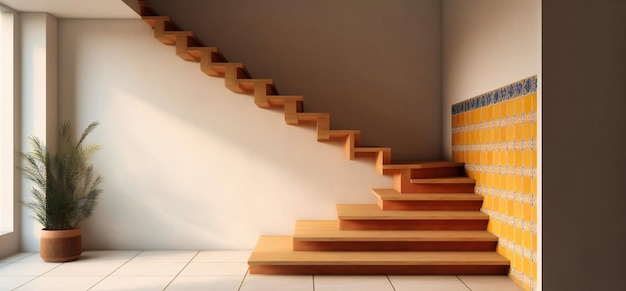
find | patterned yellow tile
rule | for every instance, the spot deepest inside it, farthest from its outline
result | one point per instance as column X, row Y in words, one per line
column 528, row 104
column 527, row 212
column 510, row 183
column 502, row 161
column 519, row 158
column 534, row 101
column 501, row 249
column 527, row 239
column 519, row 108
column 510, row 232
column 519, row 210
column 510, row 107
column 519, row 262
column 527, row 266
column 527, row 131
column 510, row 158
column 510, row 132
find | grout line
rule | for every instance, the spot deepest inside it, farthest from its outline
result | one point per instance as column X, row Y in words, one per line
column 468, row 287
column 313, row 278
column 37, row 276
column 122, row 265
column 181, row 270
column 390, row 282
column 244, row 278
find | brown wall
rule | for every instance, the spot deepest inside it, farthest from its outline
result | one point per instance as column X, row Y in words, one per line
column 584, row 142
column 374, row 65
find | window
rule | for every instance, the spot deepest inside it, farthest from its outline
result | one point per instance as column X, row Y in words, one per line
column 7, row 95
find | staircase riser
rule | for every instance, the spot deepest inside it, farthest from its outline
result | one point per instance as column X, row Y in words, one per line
column 394, row 246
column 435, row 269
column 430, row 205
column 434, row 188
column 413, row 225
column 430, row 173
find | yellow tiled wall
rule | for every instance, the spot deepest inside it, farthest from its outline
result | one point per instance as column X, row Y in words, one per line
column 495, row 135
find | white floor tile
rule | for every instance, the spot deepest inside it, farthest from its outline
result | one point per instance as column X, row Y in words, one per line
column 12, row 282
column 215, row 269
column 489, row 283
column 15, row 257
column 276, row 282
column 165, row 256
column 201, row 283
column 340, row 283
column 27, row 269
column 431, row 283
column 31, row 258
column 134, row 283
column 222, row 256
column 61, row 283
column 107, row 256
column 85, row 268
column 149, row 269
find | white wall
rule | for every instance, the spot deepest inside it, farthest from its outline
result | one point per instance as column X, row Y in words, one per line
column 486, row 44
column 38, row 102
column 187, row 163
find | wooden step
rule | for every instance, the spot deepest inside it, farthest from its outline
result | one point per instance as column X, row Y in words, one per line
column 390, row 199
column 371, row 217
column 403, row 183
column 425, row 170
column 275, row 255
column 325, row 235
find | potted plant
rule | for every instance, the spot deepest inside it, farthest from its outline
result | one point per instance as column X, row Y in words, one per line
column 65, row 191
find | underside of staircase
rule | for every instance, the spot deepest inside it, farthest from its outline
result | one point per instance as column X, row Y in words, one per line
column 428, row 222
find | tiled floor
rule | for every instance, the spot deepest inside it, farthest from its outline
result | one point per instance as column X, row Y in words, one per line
column 204, row 270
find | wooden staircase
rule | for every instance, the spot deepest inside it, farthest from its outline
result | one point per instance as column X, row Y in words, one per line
column 429, row 222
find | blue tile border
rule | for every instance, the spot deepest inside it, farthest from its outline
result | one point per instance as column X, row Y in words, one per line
column 513, row 90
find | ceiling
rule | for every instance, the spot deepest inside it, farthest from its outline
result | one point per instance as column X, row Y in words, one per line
column 74, row 8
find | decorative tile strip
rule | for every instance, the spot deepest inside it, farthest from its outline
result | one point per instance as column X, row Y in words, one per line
column 520, row 88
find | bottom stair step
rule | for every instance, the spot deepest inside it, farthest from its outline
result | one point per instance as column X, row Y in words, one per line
column 275, row 255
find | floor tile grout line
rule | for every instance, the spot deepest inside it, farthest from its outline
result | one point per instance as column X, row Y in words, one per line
column 468, row 287
column 244, row 278
column 390, row 282
column 122, row 265
column 313, row 278
column 181, row 270
column 37, row 276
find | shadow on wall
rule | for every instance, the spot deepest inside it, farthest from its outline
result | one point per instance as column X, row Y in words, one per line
column 374, row 65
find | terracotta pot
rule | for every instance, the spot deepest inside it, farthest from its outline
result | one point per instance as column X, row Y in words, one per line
column 60, row 245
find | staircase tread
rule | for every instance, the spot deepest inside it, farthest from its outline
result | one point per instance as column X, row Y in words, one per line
column 448, row 180
column 422, row 165
column 328, row 230
column 373, row 212
column 278, row 250
column 391, row 194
